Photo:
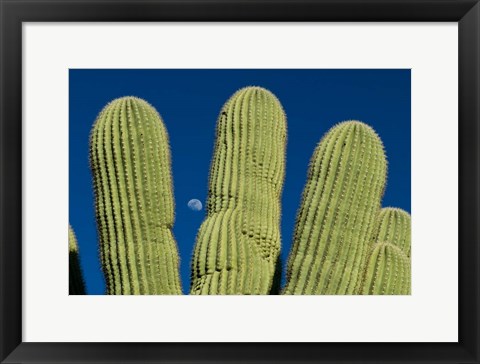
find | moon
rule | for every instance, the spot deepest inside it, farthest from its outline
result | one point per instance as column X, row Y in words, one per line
column 194, row 205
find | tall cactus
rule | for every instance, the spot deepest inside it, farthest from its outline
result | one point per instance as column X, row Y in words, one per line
column 76, row 284
column 341, row 200
column 394, row 226
column 387, row 271
column 130, row 162
column 239, row 241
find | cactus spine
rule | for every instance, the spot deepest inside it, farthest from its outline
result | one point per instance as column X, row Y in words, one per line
column 76, row 284
column 387, row 271
column 239, row 241
column 394, row 226
column 130, row 162
column 341, row 200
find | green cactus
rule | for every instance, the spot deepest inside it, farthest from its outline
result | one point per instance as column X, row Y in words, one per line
column 394, row 226
column 341, row 200
column 387, row 271
column 239, row 241
column 343, row 243
column 76, row 283
column 130, row 163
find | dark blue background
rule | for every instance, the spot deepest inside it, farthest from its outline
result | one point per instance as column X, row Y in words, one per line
column 189, row 102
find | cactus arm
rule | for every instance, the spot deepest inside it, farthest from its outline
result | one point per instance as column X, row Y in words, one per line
column 76, row 285
column 239, row 241
column 341, row 199
column 387, row 271
column 130, row 162
column 394, row 226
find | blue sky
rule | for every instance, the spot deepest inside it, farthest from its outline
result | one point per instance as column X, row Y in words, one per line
column 189, row 102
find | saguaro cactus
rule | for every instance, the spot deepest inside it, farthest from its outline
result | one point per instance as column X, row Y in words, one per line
column 387, row 271
column 341, row 200
column 76, row 284
column 130, row 162
column 239, row 241
column 394, row 226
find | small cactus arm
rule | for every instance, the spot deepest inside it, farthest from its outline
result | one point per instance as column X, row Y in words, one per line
column 130, row 163
column 239, row 241
column 387, row 271
column 76, row 284
column 394, row 226
column 336, row 219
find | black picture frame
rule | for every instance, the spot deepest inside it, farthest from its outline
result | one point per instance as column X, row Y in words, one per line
column 14, row 12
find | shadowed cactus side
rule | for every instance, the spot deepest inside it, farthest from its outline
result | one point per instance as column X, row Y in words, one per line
column 130, row 163
column 340, row 203
column 239, row 242
column 276, row 288
column 76, row 283
column 387, row 271
column 394, row 226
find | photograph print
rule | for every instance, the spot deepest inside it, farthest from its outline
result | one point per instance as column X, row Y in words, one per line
column 240, row 182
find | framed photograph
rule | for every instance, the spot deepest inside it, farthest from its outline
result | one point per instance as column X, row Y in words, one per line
column 241, row 181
